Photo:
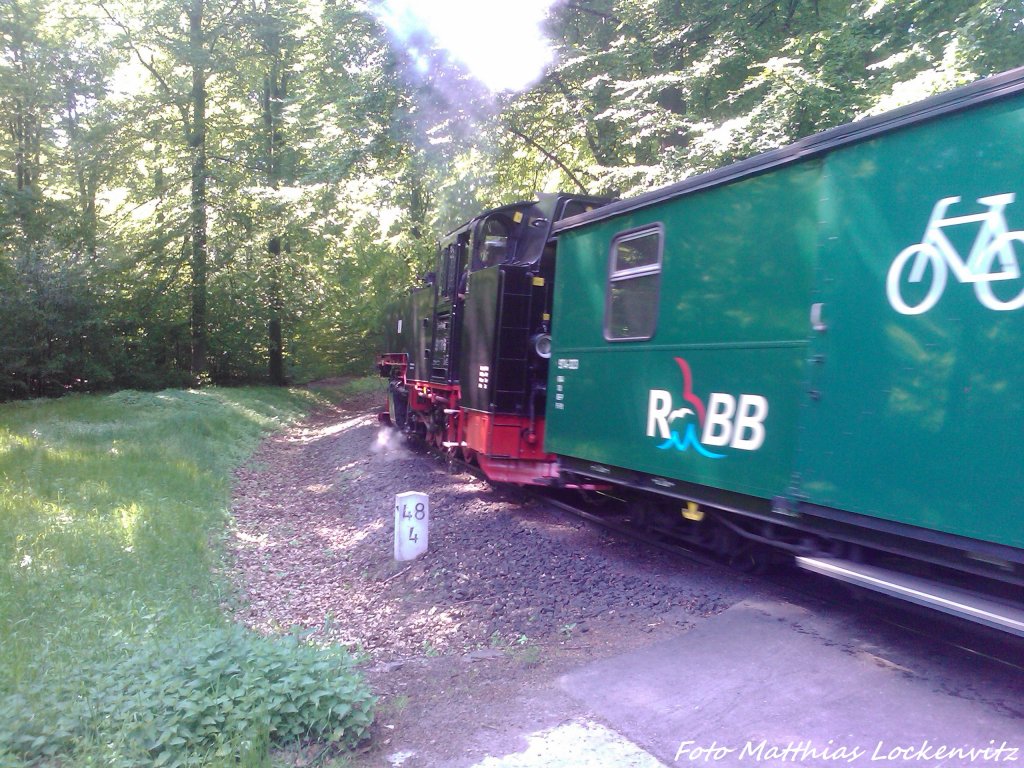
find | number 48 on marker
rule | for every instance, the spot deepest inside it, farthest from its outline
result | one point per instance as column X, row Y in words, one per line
column 412, row 521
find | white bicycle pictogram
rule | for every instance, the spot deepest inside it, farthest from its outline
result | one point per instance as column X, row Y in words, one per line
column 993, row 242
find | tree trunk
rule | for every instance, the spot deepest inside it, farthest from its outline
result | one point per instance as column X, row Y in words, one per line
column 86, row 175
column 24, row 128
column 275, row 90
column 197, row 144
column 275, row 337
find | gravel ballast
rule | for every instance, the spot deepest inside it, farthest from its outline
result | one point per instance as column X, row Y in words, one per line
column 465, row 645
column 313, row 548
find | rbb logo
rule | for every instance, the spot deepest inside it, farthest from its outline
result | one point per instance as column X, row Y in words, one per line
column 725, row 421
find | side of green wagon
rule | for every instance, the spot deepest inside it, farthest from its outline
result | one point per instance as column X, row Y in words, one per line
column 826, row 338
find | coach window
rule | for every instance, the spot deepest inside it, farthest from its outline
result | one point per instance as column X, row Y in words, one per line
column 631, row 310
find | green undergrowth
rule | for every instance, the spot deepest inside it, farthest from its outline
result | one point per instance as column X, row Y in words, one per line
column 114, row 647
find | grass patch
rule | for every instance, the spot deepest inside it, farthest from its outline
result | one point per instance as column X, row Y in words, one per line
column 114, row 649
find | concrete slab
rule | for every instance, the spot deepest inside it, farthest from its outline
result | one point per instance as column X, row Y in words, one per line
column 771, row 684
column 580, row 742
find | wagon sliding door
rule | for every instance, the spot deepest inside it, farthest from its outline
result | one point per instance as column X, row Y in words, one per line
column 914, row 410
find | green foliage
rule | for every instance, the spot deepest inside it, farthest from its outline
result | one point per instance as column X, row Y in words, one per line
column 218, row 697
column 647, row 92
column 55, row 326
column 111, row 625
column 98, row 275
column 334, row 158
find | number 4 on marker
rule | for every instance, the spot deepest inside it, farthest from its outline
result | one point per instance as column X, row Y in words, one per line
column 412, row 534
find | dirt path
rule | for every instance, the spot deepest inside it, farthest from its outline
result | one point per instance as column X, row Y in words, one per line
column 465, row 644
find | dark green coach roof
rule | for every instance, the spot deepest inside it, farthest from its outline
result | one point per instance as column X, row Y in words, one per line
column 977, row 93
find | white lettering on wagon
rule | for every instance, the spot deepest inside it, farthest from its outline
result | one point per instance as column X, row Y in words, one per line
column 725, row 421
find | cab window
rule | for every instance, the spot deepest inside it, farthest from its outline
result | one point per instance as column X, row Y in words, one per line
column 634, row 282
column 575, row 208
column 449, row 275
column 495, row 245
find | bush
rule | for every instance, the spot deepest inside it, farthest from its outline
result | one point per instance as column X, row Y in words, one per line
column 219, row 698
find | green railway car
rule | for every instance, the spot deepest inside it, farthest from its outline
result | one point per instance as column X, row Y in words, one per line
column 821, row 347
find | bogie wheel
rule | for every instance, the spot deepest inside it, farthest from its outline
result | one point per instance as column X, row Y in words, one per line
column 752, row 558
column 643, row 514
column 592, row 499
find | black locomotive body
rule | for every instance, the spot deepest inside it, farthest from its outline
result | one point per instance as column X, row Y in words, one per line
column 467, row 353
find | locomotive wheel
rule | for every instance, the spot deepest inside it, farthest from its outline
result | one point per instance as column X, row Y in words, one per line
column 418, row 431
column 397, row 408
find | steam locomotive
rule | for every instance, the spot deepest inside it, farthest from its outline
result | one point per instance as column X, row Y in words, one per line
column 815, row 351
column 468, row 352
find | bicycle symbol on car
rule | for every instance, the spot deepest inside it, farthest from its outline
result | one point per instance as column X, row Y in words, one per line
column 994, row 244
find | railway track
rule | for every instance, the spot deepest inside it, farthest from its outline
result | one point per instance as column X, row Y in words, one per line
column 611, row 513
column 922, row 623
column 656, row 540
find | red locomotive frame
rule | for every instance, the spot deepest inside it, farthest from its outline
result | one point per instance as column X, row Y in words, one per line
column 509, row 448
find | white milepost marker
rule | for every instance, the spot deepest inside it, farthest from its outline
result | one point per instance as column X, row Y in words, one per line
column 412, row 521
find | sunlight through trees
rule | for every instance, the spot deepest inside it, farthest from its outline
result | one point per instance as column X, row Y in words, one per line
column 203, row 190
